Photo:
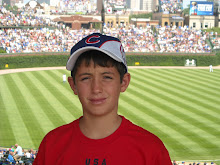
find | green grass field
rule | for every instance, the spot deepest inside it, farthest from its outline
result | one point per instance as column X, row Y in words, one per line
column 181, row 106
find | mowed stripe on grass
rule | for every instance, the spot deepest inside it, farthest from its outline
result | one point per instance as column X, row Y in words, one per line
column 181, row 109
column 180, row 106
column 18, row 123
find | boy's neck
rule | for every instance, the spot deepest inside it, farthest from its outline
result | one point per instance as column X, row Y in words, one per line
column 99, row 127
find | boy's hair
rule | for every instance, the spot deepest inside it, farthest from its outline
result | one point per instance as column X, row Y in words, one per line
column 99, row 58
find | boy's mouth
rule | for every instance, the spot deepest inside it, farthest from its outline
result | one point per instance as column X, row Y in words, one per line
column 97, row 100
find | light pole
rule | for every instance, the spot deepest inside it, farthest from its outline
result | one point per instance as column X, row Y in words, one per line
column 102, row 15
column 101, row 9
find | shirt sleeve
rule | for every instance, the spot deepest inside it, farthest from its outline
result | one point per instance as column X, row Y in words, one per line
column 163, row 157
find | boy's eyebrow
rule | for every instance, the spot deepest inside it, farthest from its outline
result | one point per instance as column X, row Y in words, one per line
column 107, row 73
column 83, row 74
column 86, row 73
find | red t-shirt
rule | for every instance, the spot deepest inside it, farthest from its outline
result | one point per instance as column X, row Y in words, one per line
column 128, row 145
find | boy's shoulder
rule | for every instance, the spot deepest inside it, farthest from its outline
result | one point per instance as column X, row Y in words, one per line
column 141, row 135
column 62, row 132
column 135, row 130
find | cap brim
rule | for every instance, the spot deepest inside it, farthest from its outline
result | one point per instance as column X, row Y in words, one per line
column 72, row 60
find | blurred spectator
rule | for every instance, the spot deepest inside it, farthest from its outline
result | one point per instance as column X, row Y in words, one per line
column 1, row 154
column 10, row 157
column 174, row 162
column 18, row 152
column 28, row 154
column 33, row 154
column 12, row 149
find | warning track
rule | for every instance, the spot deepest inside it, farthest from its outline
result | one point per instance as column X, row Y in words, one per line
column 7, row 71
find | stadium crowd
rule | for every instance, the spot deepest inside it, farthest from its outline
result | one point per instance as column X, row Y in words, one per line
column 16, row 155
column 182, row 39
column 83, row 6
column 75, row 6
column 7, row 18
column 61, row 39
column 192, row 163
column 171, row 6
column 133, row 39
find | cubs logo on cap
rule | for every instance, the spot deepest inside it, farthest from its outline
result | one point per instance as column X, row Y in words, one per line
column 109, row 45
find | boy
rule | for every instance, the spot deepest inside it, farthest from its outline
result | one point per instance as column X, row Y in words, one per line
column 98, row 75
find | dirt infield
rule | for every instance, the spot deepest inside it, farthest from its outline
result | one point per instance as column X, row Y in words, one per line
column 7, row 71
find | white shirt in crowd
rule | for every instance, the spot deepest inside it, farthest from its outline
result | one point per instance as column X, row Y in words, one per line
column 19, row 151
column 28, row 155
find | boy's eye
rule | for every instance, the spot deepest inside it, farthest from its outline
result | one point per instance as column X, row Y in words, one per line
column 84, row 78
column 107, row 77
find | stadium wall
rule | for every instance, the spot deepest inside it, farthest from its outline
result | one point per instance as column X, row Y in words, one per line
column 30, row 60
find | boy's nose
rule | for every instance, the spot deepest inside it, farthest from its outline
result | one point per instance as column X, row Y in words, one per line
column 96, row 86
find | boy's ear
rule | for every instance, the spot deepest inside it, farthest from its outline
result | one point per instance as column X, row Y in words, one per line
column 125, row 82
column 72, row 85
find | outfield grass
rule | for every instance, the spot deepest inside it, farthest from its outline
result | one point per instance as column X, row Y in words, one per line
column 181, row 106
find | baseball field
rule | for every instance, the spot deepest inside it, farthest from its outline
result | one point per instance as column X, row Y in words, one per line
column 180, row 106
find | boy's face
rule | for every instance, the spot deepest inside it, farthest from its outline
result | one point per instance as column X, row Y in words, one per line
column 98, row 88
